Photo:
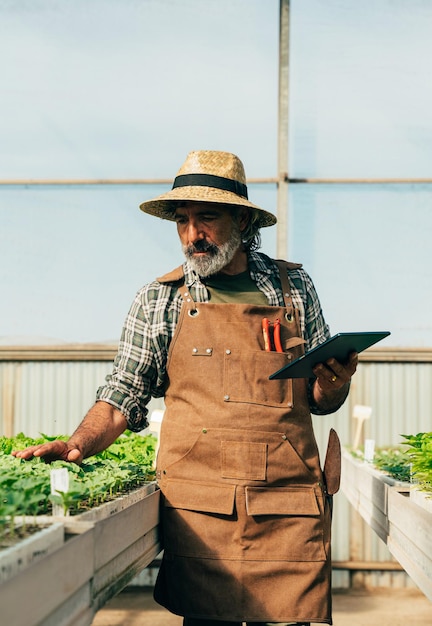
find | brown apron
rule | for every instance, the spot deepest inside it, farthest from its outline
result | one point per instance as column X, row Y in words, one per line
column 245, row 517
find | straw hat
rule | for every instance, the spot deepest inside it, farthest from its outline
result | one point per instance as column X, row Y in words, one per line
column 208, row 176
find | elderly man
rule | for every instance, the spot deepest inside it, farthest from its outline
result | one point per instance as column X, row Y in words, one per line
column 245, row 504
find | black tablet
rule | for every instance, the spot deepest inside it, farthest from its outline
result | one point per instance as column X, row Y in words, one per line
column 339, row 346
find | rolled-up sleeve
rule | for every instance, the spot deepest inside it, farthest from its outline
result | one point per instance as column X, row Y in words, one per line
column 139, row 369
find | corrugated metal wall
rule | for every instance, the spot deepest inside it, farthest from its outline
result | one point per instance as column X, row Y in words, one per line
column 53, row 396
column 48, row 396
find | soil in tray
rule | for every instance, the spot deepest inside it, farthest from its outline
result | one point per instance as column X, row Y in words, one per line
column 9, row 539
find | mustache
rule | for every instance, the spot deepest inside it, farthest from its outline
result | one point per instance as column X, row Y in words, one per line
column 201, row 246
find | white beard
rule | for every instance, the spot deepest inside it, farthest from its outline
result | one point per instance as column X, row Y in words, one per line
column 217, row 256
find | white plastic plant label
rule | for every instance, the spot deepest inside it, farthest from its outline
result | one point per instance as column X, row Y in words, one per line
column 59, row 485
column 369, row 449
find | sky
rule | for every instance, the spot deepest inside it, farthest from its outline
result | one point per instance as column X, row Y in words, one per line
column 100, row 89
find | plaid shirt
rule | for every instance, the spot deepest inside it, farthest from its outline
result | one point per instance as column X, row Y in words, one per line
column 139, row 371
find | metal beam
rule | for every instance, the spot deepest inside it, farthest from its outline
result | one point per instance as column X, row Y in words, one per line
column 107, row 352
column 282, row 191
column 108, row 181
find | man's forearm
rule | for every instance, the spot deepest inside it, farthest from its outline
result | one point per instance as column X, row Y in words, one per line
column 98, row 430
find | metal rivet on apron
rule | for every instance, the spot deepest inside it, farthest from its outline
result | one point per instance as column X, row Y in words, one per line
column 228, row 351
column 226, row 398
column 204, row 430
column 209, row 350
column 195, row 350
column 284, row 437
column 290, row 405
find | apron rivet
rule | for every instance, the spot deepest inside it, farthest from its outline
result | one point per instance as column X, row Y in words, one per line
column 195, row 350
column 228, row 351
column 226, row 398
column 284, row 437
column 290, row 405
column 204, row 430
column 209, row 350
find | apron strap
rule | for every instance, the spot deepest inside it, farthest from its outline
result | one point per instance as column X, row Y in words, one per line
column 188, row 300
column 283, row 267
column 176, row 276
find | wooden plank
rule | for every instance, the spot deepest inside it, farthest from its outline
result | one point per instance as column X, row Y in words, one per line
column 30, row 550
column 373, row 488
column 372, row 504
column 97, row 560
column 410, row 539
column 349, row 481
column 412, row 560
column 115, row 575
column 62, row 352
column 367, row 490
column 385, row 504
column 375, row 517
column 113, row 535
column 76, row 610
column 421, row 498
column 411, row 519
column 107, row 352
column 39, row 590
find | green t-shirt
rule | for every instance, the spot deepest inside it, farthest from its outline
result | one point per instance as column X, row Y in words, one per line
column 240, row 288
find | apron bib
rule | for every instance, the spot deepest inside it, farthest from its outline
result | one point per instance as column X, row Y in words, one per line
column 245, row 517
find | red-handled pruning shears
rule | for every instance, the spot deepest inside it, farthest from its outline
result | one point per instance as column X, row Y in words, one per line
column 272, row 336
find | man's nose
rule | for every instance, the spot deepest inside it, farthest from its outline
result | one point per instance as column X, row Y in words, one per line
column 194, row 232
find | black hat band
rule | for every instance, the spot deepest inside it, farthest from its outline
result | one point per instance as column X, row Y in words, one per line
column 209, row 180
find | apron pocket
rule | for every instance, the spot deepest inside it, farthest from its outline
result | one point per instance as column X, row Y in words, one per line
column 244, row 460
column 195, row 495
column 285, row 523
column 198, row 519
column 281, row 501
column 246, row 378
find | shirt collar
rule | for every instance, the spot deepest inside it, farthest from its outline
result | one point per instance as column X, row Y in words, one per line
column 190, row 276
column 259, row 264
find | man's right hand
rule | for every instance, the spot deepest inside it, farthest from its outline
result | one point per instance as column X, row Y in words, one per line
column 98, row 430
column 53, row 451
